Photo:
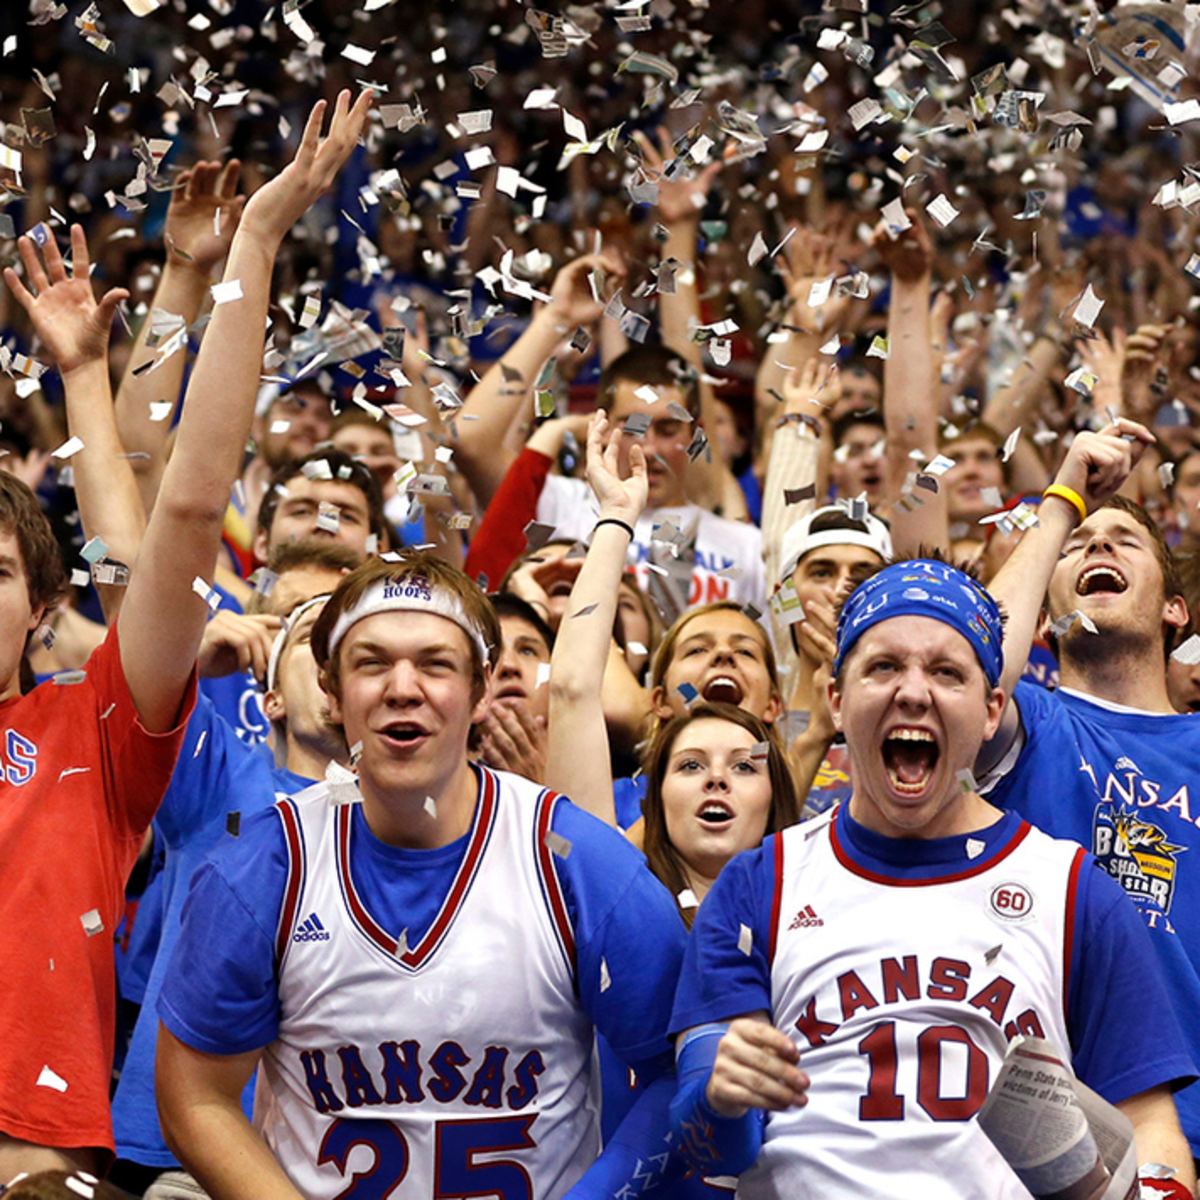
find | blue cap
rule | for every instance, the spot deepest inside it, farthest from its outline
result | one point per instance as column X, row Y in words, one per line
column 925, row 588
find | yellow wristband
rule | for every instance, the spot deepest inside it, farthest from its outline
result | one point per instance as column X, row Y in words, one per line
column 1070, row 495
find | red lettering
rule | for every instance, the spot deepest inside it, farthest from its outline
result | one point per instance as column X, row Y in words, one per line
column 900, row 980
column 855, row 995
column 929, row 1075
column 948, row 979
column 1027, row 1024
column 994, row 999
column 812, row 1027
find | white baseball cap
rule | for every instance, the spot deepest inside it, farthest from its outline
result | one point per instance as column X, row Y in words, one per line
column 836, row 527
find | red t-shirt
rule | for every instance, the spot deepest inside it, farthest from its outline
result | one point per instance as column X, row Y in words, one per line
column 79, row 782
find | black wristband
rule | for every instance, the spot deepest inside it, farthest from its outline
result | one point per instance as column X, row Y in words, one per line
column 614, row 521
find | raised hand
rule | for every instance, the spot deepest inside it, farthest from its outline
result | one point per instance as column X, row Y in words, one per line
column 620, row 498
column 571, row 300
column 813, row 388
column 909, row 256
column 278, row 205
column 72, row 325
column 1097, row 464
column 513, row 739
column 1105, row 360
column 203, row 214
column 679, row 199
column 808, row 258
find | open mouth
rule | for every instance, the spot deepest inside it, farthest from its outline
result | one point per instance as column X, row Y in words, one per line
column 715, row 814
column 910, row 756
column 403, row 735
column 723, row 689
column 1100, row 579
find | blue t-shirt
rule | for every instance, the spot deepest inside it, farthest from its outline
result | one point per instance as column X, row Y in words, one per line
column 216, row 774
column 221, row 994
column 1113, row 982
column 238, row 698
column 628, row 794
column 1118, row 783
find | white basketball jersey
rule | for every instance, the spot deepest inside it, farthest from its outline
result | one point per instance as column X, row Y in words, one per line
column 902, row 996
column 457, row 1064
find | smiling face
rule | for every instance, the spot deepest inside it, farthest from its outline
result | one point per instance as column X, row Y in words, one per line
column 1109, row 571
column 521, row 675
column 722, row 654
column 716, row 794
column 915, row 707
column 665, row 443
column 408, row 696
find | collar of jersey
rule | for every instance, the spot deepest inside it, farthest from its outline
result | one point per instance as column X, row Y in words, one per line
column 921, row 860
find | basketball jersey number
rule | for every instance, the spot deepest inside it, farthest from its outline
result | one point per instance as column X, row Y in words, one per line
column 456, row 1173
column 883, row 1103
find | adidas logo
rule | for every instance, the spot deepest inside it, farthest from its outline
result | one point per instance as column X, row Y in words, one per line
column 311, row 930
column 805, row 918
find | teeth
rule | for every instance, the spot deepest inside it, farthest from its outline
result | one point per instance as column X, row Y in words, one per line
column 1107, row 572
column 911, row 735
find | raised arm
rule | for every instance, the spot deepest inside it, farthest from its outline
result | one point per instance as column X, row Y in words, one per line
column 910, row 392
column 201, row 220
column 162, row 619
column 75, row 329
column 494, row 402
column 577, row 761
column 1096, row 466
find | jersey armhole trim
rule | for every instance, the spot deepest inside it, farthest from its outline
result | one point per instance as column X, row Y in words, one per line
column 776, row 899
column 552, row 891
column 1069, row 923
column 288, row 912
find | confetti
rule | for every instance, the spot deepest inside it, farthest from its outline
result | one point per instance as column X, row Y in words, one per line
column 223, row 293
column 49, row 1079
column 430, row 807
column 1188, row 652
column 966, row 780
column 745, row 940
column 557, row 844
column 92, row 922
column 68, row 449
column 687, row 899
column 233, row 824
column 93, row 550
column 1087, row 308
column 605, row 977
column 941, row 210
column 68, row 678
column 207, row 593
column 974, row 847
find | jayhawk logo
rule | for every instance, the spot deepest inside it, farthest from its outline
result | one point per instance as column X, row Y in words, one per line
column 1137, row 853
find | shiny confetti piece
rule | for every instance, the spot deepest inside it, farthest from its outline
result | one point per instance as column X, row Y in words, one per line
column 93, row 550
column 974, row 847
column 966, row 780
column 233, row 824
column 687, row 899
column 430, row 807
column 77, row 1184
column 207, row 593
column 745, row 939
column 52, row 1080
column 1188, row 652
column 991, row 955
column 688, row 693
column 941, row 210
column 223, row 293
column 68, row 449
column 1010, row 444
column 1087, row 308
column 605, row 977
column 68, row 678
column 92, row 922
column 1082, row 381
column 557, row 844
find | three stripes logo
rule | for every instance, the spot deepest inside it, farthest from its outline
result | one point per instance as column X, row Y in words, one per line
column 311, row 930
column 805, row 918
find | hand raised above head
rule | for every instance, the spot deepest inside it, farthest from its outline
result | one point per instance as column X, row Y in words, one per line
column 73, row 326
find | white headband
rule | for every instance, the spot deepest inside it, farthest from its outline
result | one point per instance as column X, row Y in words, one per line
column 289, row 623
column 410, row 593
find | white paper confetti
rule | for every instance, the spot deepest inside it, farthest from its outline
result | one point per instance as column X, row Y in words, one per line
column 52, row 1080
column 70, row 447
column 941, row 210
column 1088, row 307
column 223, row 293
column 745, row 939
column 93, row 922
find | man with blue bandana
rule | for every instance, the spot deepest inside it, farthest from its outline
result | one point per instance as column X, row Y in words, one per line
column 851, row 986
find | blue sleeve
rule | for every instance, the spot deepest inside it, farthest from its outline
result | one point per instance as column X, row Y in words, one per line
column 629, row 939
column 1125, row 1037
column 220, row 994
column 202, row 774
column 726, row 973
column 637, row 1160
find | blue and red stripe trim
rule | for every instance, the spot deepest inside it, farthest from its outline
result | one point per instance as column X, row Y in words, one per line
column 777, row 899
column 294, row 841
column 551, row 886
column 986, row 863
column 1069, row 921
column 416, row 956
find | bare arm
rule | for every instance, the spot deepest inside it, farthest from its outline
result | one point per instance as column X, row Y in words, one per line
column 1157, row 1134
column 910, row 388
column 201, row 220
column 577, row 760
column 496, row 400
column 200, row 1109
column 162, row 619
column 75, row 329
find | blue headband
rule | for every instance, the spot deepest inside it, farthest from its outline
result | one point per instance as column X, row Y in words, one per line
column 925, row 588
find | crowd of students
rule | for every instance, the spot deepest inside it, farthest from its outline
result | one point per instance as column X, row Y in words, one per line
column 568, row 718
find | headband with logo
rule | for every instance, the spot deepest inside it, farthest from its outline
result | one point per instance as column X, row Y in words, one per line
column 409, row 593
column 925, row 588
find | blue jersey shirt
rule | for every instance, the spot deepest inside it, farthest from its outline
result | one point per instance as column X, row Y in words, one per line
column 1119, row 783
column 221, row 994
column 216, row 774
column 237, row 697
column 1113, row 983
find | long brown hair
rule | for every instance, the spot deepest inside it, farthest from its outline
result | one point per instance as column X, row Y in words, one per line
column 664, row 859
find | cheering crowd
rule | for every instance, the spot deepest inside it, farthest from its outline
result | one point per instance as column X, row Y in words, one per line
column 594, row 604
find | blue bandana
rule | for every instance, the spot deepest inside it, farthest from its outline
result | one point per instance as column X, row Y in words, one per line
column 925, row 588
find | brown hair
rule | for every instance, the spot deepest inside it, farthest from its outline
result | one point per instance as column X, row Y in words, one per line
column 409, row 564
column 21, row 516
column 308, row 552
column 52, row 1185
column 651, row 364
column 978, row 431
column 664, row 859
